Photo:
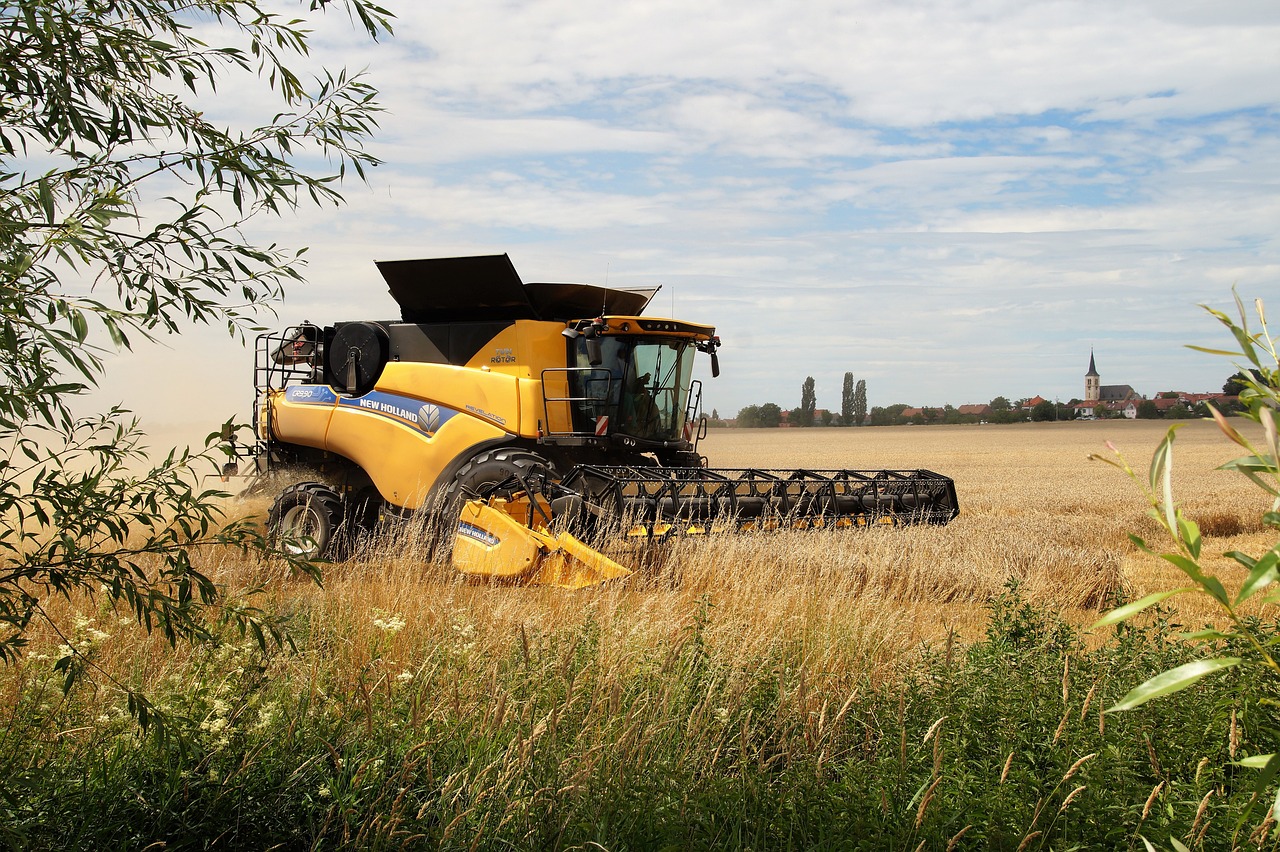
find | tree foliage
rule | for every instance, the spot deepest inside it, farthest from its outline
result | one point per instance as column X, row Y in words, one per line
column 803, row 416
column 123, row 203
column 770, row 415
column 1147, row 410
column 1239, row 382
column 846, row 401
column 1043, row 410
column 889, row 415
column 860, row 403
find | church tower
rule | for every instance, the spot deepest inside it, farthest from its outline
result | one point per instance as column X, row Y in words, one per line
column 1092, row 382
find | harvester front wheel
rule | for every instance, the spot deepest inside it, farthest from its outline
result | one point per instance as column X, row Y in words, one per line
column 480, row 478
column 306, row 520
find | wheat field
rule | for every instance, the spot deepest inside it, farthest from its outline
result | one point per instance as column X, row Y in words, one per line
column 1034, row 509
column 777, row 686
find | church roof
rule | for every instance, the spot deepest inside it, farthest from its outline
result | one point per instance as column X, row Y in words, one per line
column 1093, row 371
column 1116, row 392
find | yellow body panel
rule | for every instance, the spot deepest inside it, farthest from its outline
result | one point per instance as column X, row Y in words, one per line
column 492, row 543
column 404, row 463
column 299, row 423
column 484, row 394
column 523, row 350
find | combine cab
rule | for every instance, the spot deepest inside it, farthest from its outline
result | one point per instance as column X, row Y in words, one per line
column 530, row 417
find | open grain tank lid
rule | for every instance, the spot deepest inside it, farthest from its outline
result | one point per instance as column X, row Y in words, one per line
column 487, row 288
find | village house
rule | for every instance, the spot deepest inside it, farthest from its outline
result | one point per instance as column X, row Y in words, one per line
column 1122, row 399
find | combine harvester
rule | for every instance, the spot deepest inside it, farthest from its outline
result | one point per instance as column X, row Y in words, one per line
column 530, row 417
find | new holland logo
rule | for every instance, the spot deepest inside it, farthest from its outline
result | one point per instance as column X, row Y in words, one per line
column 429, row 417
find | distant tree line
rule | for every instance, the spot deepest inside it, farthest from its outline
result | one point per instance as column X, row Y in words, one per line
column 854, row 412
column 760, row 416
column 853, row 408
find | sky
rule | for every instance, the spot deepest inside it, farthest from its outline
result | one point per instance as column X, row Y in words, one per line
column 951, row 200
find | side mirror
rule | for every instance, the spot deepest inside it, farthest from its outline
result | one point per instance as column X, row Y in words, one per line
column 715, row 366
column 595, row 352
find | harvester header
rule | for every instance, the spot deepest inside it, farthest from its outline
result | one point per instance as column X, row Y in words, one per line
column 528, row 419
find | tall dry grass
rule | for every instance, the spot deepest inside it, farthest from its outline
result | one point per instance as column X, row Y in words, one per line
column 1033, row 509
column 755, row 655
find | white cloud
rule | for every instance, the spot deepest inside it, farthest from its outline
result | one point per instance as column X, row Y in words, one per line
column 952, row 200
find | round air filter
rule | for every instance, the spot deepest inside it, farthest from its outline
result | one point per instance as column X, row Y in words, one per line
column 356, row 356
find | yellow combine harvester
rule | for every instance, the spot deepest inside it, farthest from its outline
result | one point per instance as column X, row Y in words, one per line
column 531, row 418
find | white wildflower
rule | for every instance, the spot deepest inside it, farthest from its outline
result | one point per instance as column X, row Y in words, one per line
column 214, row 725
column 389, row 622
column 266, row 715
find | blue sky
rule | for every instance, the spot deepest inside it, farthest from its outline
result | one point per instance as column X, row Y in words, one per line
column 952, row 200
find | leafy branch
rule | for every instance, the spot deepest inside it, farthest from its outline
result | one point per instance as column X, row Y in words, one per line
column 123, row 215
column 1242, row 641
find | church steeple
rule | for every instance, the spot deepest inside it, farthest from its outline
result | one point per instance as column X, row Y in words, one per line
column 1092, row 382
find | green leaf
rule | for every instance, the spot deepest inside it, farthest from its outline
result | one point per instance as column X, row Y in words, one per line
column 1189, row 534
column 1174, row 680
column 1210, row 584
column 1269, row 764
column 46, row 200
column 1209, row 351
column 1131, row 609
column 1265, row 572
column 1259, row 761
column 1161, row 478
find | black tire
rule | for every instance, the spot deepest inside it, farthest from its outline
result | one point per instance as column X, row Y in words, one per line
column 492, row 473
column 307, row 520
column 482, row 476
column 360, row 519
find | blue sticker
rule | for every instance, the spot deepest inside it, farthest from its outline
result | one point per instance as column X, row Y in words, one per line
column 477, row 534
column 310, row 394
column 427, row 417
